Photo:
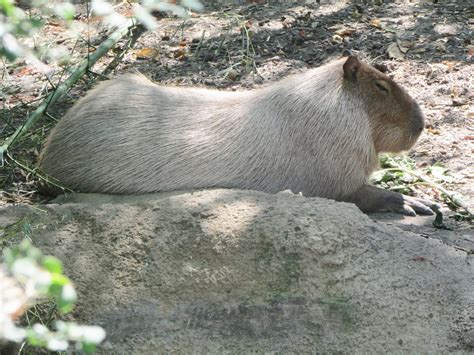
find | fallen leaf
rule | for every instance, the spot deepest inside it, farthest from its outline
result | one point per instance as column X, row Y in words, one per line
column 146, row 53
column 16, row 99
column 180, row 53
column 94, row 19
column 127, row 12
column 458, row 102
column 433, row 131
column 441, row 173
column 335, row 28
column 404, row 46
column 420, row 50
column 337, row 39
column 440, row 47
column 232, row 74
column 54, row 28
column 25, row 71
column 450, row 65
column 376, row 23
column 342, row 30
column 54, row 24
column 394, row 52
column 346, row 31
column 454, row 91
column 356, row 14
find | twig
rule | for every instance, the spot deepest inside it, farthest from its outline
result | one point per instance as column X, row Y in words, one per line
column 198, row 48
column 180, row 27
column 136, row 32
column 47, row 179
column 224, row 37
column 227, row 70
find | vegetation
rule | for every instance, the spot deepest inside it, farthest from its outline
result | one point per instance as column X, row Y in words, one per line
column 18, row 24
column 400, row 174
column 28, row 278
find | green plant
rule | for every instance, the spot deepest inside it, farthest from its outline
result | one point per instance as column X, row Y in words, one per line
column 248, row 51
column 395, row 174
column 17, row 24
column 27, row 277
column 399, row 173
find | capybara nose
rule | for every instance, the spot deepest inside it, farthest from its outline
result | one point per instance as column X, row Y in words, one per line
column 418, row 119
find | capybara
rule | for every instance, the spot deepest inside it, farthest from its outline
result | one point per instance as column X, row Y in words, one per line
column 317, row 132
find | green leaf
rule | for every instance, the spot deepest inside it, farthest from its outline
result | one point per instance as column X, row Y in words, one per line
column 438, row 222
column 388, row 161
column 26, row 228
column 88, row 348
column 68, row 295
column 28, row 27
column 39, row 3
column 52, row 264
column 101, row 8
column 55, row 343
column 192, row 4
column 9, row 256
column 32, row 252
column 174, row 9
column 441, row 173
column 404, row 189
column 36, row 335
column 7, row 7
column 66, row 10
column 65, row 307
column 65, row 295
column 9, row 47
column 145, row 17
column 59, row 280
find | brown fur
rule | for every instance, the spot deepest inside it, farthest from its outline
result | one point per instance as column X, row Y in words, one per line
column 317, row 132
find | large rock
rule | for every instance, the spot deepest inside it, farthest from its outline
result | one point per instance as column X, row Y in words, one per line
column 226, row 271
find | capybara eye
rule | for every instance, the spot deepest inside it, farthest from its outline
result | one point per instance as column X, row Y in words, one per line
column 381, row 87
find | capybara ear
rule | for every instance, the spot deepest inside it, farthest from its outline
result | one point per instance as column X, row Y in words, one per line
column 381, row 67
column 347, row 53
column 351, row 67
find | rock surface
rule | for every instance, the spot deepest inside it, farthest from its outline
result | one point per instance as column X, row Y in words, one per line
column 227, row 271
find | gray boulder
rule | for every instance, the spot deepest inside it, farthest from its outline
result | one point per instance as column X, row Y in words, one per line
column 228, row 271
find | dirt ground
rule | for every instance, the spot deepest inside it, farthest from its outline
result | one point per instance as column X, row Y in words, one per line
column 426, row 46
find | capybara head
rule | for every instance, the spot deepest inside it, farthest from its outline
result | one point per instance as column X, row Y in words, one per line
column 396, row 119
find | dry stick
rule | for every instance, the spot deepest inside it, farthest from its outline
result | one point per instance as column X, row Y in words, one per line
column 66, row 85
column 136, row 32
column 49, row 180
column 455, row 199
